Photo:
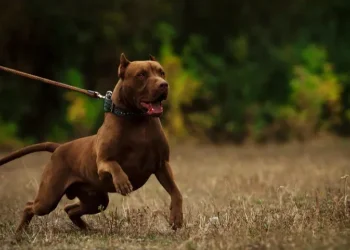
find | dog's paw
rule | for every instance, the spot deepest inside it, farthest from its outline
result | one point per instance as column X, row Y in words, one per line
column 122, row 184
column 176, row 219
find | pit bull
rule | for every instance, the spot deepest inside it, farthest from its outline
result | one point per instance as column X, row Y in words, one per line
column 128, row 148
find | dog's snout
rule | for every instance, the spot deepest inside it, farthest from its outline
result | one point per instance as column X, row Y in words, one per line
column 164, row 85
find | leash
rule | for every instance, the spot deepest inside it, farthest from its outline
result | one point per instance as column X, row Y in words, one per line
column 90, row 93
column 108, row 105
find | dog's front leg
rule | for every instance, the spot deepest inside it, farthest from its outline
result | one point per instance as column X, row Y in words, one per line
column 166, row 179
column 120, row 179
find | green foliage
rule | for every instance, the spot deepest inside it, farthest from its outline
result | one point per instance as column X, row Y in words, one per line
column 9, row 136
column 184, row 86
column 315, row 88
column 237, row 70
column 82, row 111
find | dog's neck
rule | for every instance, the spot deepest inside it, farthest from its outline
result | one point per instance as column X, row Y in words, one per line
column 119, row 105
column 119, row 98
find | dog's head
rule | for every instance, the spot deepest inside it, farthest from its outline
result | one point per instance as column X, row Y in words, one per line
column 142, row 85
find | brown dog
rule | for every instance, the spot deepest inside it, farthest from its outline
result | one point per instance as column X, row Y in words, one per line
column 128, row 148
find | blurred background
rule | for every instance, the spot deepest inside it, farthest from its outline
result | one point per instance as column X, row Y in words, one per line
column 239, row 70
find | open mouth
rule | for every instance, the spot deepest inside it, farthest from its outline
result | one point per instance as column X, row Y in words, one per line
column 154, row 108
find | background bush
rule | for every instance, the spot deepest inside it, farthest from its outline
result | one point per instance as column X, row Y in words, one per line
column 238, row 70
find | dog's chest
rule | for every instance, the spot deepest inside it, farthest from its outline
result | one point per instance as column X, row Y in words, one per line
column 145, row 157
column 140, row 162
column 140, row 151
column 143, row 153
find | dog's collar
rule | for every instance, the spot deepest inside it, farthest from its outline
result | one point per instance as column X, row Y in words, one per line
column 110, row 107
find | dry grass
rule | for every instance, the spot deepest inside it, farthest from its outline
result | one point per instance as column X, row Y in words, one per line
column 271, row 197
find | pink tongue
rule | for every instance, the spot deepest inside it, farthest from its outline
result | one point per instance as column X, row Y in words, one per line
column 154, row 108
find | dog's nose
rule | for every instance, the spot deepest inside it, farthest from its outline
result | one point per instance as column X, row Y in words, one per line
column 164, row 85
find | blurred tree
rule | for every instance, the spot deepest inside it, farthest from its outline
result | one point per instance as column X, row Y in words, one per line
column 243, row 54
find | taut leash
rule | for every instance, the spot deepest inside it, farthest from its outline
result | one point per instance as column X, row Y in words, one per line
column 108, row 105
column 90, row 93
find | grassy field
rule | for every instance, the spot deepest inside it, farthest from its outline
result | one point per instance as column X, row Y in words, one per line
column 251, row 197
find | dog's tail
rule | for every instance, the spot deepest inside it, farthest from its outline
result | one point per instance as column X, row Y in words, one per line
column 46, row 146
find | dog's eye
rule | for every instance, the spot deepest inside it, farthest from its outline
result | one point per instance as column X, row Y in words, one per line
column 162, row 73
column 141, row 75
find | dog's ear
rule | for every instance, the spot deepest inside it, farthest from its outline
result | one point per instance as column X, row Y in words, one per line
column 152, row 58
column 124, row 62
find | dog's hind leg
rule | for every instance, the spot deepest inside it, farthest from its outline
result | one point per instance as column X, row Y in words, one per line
column 91, row 202
column 50, row 192
column 27, row 216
